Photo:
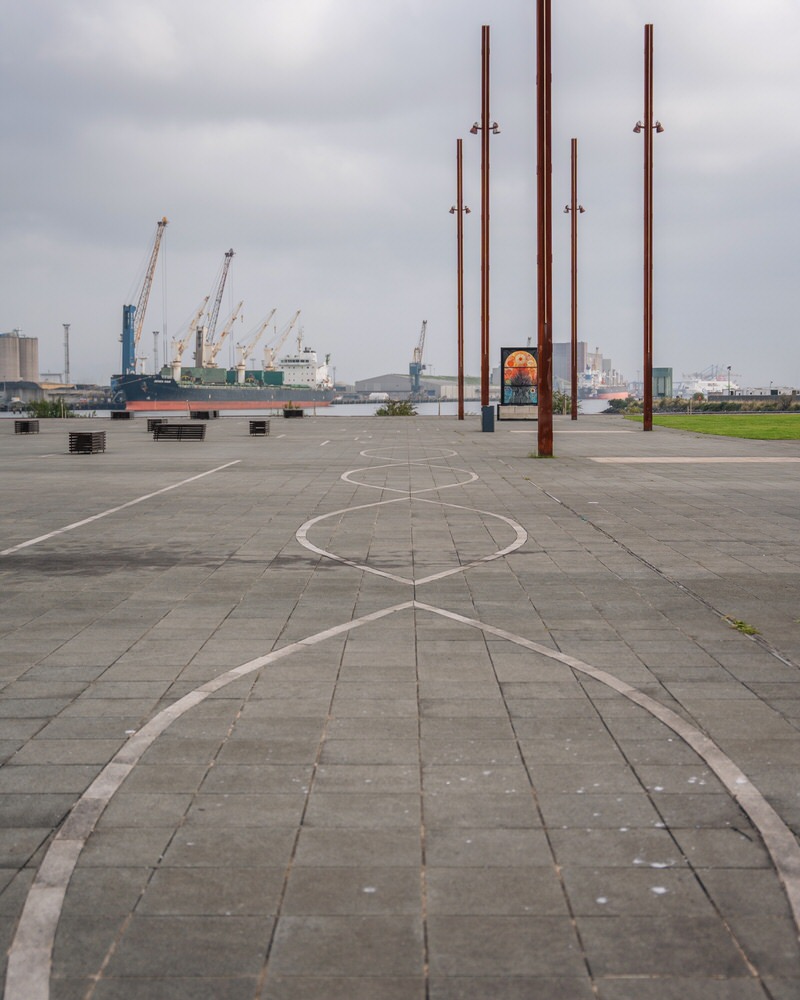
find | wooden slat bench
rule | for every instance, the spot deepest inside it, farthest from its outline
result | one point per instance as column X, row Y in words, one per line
column 179, row 432
column 87, row 442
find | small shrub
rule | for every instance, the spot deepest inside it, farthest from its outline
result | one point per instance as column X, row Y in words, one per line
column 396, row 408
column 40, row 409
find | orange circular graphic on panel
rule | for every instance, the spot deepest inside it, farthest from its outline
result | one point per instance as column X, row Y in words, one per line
column 520, row 368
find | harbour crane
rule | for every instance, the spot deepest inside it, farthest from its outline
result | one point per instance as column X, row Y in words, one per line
column 212, row 356
column 179, row 345
column 133, row 316
column 416, row 366
column 212, row 320
column 246, row 349
column 271, row 350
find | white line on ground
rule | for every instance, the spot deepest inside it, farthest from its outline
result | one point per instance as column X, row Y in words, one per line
column 30, row 955
column 521, row 536
column 407, row 492
column 778, row 838
column 112, row 510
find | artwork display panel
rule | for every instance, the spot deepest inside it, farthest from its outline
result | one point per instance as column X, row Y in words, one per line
column 520, row 369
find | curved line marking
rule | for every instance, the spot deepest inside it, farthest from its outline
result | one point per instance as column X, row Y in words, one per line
column 778, row 838
column 444, row 453
column 345, row 476
column 302, row 536
column 521, row 536
column 113, row 510
column 31, row 953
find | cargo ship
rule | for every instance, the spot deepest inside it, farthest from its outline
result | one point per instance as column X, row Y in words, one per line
column 595, row 384
column 297, row 379
column 193, row 392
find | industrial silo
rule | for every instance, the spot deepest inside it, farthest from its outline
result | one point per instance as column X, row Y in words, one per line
column 29, row 359
column 9, row 357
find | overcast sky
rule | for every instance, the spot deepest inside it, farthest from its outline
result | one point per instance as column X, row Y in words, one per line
column 317, row 139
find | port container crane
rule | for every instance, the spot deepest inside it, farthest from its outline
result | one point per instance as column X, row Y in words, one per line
column 416, row 366
column 133, row 316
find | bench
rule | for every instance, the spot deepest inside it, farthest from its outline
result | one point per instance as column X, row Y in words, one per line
column 179, row 432
column 121, row 414
column 259, row 427
column 153, row 422
column 26, row 426
column 204, row 414
column 87, row 442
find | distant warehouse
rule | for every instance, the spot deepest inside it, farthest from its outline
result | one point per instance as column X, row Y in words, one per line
column 399, row 386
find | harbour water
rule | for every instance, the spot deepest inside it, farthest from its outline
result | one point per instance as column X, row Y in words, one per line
column 446, row 408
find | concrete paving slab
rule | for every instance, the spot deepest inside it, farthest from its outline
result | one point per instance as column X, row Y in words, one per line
column 455, row 779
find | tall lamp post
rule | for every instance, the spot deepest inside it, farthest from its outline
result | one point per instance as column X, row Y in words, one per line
column 486, row 128
column 575, row 209
column 460, row 210
column 648, row 126
column 544, row 230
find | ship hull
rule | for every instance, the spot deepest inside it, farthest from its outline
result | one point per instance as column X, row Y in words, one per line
column 151, row 392
column 603, row 394
column 611, row 394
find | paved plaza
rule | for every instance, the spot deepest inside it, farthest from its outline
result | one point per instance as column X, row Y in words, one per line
column 390, row 709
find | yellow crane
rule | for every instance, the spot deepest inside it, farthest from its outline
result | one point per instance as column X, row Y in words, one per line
column 245, row 349
column 179, row 345
column 212, row 356
column 271, row 350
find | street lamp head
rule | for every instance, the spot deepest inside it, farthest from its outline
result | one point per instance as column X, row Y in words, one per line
column 495, row 128
column 566, row 209
column 453, row 209
column 659, row 127
column 467, row 209
column 581, row 209
column 638, row 127
column 475, row 129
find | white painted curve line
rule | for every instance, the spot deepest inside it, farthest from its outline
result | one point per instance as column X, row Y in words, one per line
column 302, row 537
column 31, row 953
column 520, row 539
column 778, row 838
column 345, row 477
column 113, row 510
column 521, row 536
column 443, row 453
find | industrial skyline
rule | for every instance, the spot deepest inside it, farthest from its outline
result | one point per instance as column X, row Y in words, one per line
column 318, row 142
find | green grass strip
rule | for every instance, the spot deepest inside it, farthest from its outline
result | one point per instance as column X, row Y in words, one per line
column 761, row 426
